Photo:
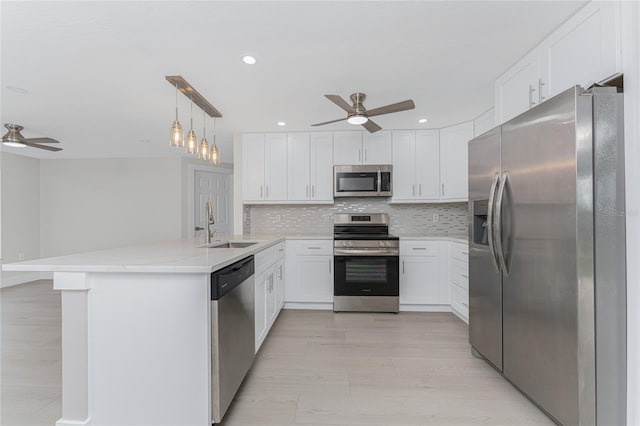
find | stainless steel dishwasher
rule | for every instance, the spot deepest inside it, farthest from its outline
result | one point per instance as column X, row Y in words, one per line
column 232, row 332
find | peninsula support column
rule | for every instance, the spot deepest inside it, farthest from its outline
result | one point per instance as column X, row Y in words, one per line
column 75, row 347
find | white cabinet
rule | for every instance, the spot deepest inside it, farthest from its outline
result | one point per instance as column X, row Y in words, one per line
column 309, row 271
column 421, row 281
column 310, row 176
column 269, row 289
column 459, row 278
column 484, row 123
column 416, row 165
column 356, row 147
column 516, row 89
column 454, row 164
column 264, row 167
column 584, row 49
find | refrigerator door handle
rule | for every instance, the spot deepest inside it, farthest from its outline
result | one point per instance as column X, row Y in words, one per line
column 499, row 247
column 492, row 199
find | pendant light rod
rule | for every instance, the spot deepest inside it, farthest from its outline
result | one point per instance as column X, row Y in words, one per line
column 190, row 92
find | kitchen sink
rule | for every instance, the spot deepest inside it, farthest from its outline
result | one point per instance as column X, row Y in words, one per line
column 232, row 244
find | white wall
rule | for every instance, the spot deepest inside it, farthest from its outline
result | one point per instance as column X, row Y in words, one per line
column 92, row 204
column 20, row 213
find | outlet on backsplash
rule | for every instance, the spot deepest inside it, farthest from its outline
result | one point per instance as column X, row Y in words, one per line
column 278, row 218
column 435, row 217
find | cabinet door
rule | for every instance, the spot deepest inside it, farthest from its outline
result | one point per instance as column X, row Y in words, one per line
column 322, row 166
column 316, row 278
column 454, row 164
column 517, row 89
column 261, row 308
column 347, row 148
column 427, row 165
column 279, row 279
column 253, row 167
column 275, row 147
column 271, row 304
column 298, row 155
column 376, row 147
column 484, row 123
column 585, row 49
column 419, row 280
column 404, row 165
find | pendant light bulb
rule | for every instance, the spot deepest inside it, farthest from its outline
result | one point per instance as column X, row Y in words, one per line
column 192, row 140
column 214, row 155
column 203, row 151
column 176, row 136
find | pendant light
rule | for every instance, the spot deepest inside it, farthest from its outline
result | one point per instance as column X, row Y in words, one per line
column 203, row 151
column 176, row 137
column 214, row 156
column 192, row 140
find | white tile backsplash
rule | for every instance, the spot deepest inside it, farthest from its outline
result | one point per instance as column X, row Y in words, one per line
column 405, row 219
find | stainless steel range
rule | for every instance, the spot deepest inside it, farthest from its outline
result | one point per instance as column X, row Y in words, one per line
column 366, row 259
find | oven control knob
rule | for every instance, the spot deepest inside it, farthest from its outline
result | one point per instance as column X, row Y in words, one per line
column 350, row 243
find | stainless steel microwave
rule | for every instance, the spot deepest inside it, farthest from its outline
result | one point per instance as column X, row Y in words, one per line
column 362, row 181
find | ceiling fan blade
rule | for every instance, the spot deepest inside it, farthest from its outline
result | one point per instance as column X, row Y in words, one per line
column 397, row 107
column 371, row 126
column 329, row 122
column 35, row 145
column 340, row 102
column 41, row 140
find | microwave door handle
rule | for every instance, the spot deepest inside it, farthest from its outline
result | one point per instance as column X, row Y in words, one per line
column 379, row 180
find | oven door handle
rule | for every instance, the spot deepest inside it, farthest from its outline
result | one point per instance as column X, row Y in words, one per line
column 366, row 252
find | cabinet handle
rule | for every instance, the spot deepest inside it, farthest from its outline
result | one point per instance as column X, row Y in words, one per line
column 465, row 276
column 403, row 267
column 540, row 84
column 314, row 248
column 260, row 191
column 313, row 191
column 267, row 191
column 413, row 190
column 420, row 190
column 359, row 156
column 465, row 304
column 419, row 248
column 307, row 191
column 465, row 252
column 443, row 189
column 329, row 267
column 365, row 155
column 531, row 90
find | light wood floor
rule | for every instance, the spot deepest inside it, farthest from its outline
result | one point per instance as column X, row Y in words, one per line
column 315, row 368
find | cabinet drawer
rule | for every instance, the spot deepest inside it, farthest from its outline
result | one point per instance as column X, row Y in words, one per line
column 460, row 301
column 459, row 251
column 460, row 273
column 310, row 247
column 265, row 258
column 418, row 248
column 279, row 248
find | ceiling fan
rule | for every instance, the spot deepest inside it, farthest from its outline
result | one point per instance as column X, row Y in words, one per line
column 358, row 114
column 15, row 139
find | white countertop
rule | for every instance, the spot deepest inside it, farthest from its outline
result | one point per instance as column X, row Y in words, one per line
column 178, row 256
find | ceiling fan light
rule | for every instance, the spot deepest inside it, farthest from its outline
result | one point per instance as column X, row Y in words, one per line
column 13, row 144
column 357, row 119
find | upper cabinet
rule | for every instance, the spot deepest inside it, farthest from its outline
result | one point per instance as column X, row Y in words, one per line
column 454, row 164
column 484, row 123
column 583, row 50
column 264, row 162
column 310, row 168
column 416, row 166
column 357, row 147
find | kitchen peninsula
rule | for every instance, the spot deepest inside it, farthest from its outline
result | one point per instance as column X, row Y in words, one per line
column 135, row 331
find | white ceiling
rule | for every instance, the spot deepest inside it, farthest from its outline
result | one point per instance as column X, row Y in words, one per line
column 94, row 71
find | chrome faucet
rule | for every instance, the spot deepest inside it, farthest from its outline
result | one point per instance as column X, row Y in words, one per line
column 210, row 221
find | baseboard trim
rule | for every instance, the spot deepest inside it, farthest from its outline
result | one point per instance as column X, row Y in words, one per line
column 425, row 308
column 25, row 278
column 63, row 422
column 304, row 305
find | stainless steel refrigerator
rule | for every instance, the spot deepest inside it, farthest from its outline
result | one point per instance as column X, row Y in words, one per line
column 547, row 282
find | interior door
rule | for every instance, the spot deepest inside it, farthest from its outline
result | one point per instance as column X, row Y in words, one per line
column 485, row 279
column 217, row 188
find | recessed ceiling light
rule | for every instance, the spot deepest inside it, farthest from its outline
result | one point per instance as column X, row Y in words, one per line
column 281, row 123
column 16, row 89
column 249, row 60
column 422, row 120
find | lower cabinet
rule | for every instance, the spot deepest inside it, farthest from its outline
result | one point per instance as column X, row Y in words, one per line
column 269, row 290
column 459, row 277
column 309, row 271
column 421, row 277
